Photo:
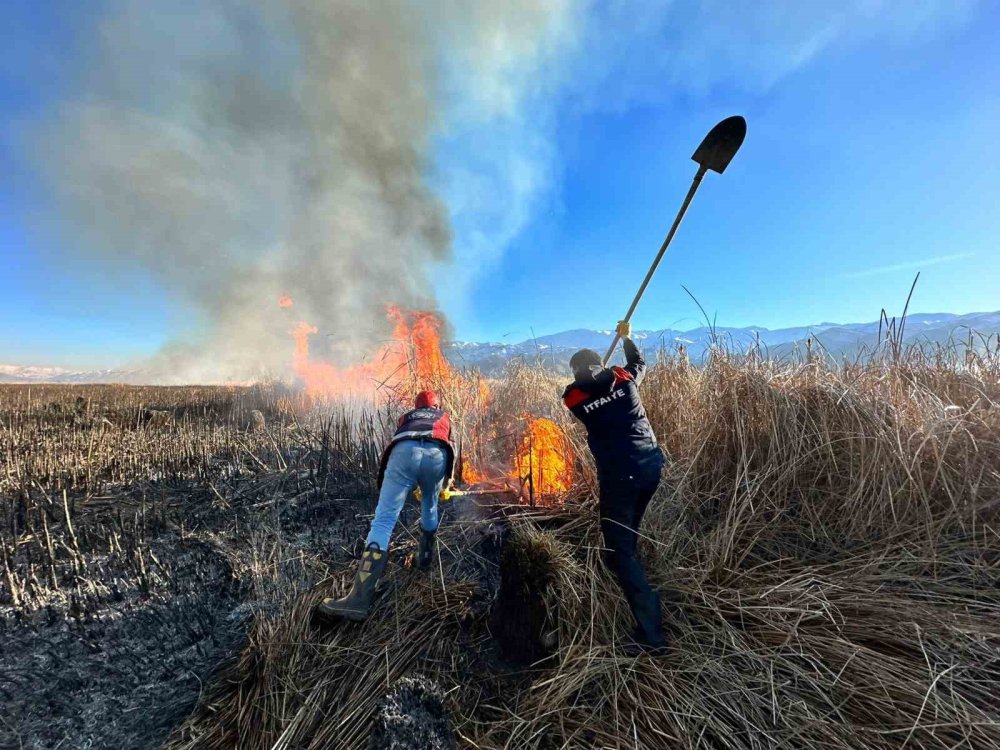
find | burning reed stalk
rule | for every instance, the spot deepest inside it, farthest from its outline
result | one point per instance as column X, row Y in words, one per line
column 829, row 539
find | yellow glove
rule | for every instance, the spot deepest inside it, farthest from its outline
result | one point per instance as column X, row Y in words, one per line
column 446, row 494
column 624, row 329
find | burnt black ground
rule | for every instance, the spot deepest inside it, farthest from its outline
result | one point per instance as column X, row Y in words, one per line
column 412, row 716
column 178, row 577
column 119, row 680
column 118, row 666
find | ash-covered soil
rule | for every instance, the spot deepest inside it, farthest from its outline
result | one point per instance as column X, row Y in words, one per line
column 412, row 716
column 154, row 601
column 121, row 677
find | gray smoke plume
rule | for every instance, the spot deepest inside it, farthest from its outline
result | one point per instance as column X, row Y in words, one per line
column 238, row 151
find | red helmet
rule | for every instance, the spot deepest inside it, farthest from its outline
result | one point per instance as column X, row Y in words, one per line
column 427, row 399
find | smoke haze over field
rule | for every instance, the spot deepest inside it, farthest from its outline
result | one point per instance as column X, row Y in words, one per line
column 353, row 155
column 241, row 151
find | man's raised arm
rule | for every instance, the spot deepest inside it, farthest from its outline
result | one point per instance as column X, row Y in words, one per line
column 635, row 365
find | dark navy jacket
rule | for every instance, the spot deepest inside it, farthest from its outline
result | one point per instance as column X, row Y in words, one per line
column 426, row 423
column 607, row 402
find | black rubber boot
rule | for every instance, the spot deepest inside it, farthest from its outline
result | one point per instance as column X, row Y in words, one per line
column 355, row 605
column 425, row 549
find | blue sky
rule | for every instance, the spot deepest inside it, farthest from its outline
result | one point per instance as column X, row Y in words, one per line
column 869, row 158
column 56, row 308
column 861, row 167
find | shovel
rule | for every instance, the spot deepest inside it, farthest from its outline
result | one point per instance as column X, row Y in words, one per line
column 715, row 153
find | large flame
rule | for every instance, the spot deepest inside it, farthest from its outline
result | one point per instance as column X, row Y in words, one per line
column 472, row 475
column 413, row 360
column 429, row 362
column 544, row 458
column 542, row 467
column 542, row 464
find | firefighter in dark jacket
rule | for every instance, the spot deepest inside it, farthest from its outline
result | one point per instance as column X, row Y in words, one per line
column 420, row 454
column 629, row 463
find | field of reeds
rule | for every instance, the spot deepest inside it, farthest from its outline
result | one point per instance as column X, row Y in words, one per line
column 826, row 540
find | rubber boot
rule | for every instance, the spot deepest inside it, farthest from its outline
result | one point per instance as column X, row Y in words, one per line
column 356, row 604
column 425, row 549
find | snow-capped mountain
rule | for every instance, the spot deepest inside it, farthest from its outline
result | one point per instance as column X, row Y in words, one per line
column 554, row 350
column 36, row 374
column 837, row 340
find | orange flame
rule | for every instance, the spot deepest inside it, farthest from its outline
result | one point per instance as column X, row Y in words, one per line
column 472, row 475
column 285, row 301
column 431, row 366
column 478, row 393
column 482, row 393
column 545, row 455
column 413, row 359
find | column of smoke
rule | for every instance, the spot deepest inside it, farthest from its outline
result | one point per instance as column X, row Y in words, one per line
column 236, row 151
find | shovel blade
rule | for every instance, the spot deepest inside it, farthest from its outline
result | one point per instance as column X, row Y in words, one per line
column 721, row 144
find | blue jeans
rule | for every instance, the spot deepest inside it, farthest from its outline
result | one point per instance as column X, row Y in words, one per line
column 412, row 463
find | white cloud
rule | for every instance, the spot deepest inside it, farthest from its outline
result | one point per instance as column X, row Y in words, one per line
column 520, row 65
column 648, row 51
column 914, row 265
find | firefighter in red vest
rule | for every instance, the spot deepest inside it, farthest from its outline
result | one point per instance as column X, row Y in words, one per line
column 420, row 454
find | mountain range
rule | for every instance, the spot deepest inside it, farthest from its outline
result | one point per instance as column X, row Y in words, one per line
column 836, row 340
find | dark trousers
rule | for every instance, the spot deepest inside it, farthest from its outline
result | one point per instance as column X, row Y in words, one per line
column 623, row 500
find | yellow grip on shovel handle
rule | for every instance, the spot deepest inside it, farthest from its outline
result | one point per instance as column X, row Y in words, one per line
column 444, row 496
